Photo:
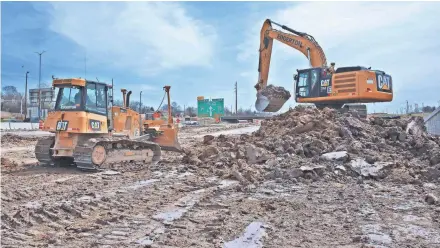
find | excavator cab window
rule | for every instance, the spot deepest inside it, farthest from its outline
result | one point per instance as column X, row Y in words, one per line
column 302, row 88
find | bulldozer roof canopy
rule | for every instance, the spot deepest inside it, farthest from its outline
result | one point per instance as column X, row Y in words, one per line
column 75, row 82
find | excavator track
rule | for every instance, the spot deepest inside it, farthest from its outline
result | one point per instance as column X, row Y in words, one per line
column 104, row 153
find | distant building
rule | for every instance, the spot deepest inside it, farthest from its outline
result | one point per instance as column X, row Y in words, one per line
column 47, row 102
column 432, row 122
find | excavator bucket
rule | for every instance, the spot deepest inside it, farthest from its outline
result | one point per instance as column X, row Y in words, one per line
column 167, row 140
column 271, row 99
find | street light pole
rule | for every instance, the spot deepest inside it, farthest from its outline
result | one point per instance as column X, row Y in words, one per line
column 39, row 87
column 25, row 97
column 140, row 102
column 140, row 114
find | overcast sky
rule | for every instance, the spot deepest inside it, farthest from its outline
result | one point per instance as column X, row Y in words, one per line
column 202, row 48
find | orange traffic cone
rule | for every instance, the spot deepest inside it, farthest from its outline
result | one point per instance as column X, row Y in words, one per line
column 40, row 125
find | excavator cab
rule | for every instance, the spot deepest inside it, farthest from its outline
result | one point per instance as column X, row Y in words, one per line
column 312, row 82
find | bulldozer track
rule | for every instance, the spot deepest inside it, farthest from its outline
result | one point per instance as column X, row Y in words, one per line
column 43, row 152
column 83, row 153
column 115, row 150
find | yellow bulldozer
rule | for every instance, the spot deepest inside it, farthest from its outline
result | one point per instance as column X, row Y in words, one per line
column 161, row 132
column 93, row 134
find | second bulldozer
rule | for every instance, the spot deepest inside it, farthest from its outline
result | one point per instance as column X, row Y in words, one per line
column 93, row 134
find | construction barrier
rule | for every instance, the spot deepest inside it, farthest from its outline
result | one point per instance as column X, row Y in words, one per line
column 19, row 126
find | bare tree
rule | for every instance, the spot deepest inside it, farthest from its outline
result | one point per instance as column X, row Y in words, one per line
column 11, row 99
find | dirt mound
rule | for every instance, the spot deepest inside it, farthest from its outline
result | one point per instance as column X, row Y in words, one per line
column 306, row 143
column 272, row 91
column 16, row 140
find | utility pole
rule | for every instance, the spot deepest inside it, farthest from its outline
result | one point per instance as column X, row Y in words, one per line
column 236, row 100
column 140, row 114
column 39, row 87
column 140, row 102
column 184, row 110
column 25, row 97
column 407, row 107
column 85, row 65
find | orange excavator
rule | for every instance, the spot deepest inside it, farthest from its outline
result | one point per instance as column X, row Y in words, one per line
column 320, row 84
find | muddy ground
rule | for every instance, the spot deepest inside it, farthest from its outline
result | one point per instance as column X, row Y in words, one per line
column 177, row 204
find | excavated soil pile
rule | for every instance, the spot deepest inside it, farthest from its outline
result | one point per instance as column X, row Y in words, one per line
column 306, row 143
column 15, row 140
column 276, row 92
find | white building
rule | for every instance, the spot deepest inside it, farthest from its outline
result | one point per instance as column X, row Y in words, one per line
column 432, row 122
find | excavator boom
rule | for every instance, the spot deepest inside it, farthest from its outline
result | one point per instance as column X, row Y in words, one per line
column 272, row 99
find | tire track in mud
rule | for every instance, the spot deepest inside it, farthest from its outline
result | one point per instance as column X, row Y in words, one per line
column 56, row 219
column 395, row 215
column 149, row 223
column 18, row 190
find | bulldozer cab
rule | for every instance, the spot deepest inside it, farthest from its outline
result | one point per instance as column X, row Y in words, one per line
column 88, row 96
column 82, row 95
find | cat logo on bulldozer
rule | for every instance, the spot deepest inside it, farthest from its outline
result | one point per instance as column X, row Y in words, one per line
column 95, row 125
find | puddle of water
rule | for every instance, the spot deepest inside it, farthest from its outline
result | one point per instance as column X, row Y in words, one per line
column 170, row 215
column 211, row 179
column 32, row 204
column 334, row 155
column 410, row 218
column 142, row 183
column 407, row 206
column 145, row 241
column 375, row 235
column 110, row 173
column 185, row 174
column 416, row 231
column 85, row 198
column 227, row 183
column 176, row 212
column 235, row 131
column 171, row 174
column 251, row 237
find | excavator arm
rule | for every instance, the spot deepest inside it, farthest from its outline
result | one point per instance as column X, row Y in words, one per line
column 300, row 41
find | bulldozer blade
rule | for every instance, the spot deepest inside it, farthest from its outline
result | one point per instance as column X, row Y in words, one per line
column 271, row 99
column 170, row 145
column 168, row 139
